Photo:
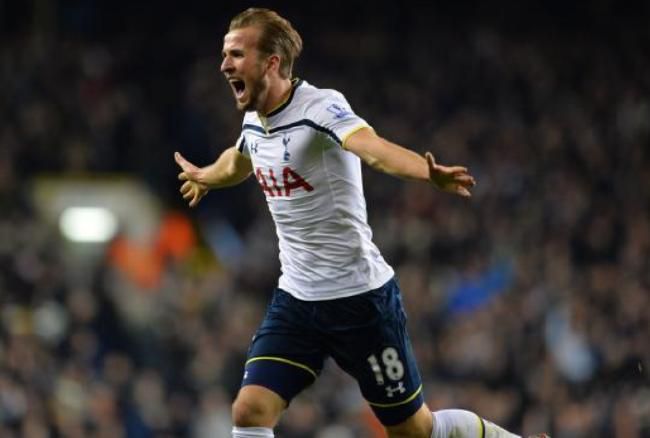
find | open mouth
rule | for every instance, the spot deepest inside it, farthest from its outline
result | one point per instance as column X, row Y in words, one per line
column 238, row 87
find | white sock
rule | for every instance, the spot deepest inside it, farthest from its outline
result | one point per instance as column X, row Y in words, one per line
column 252, row 432
column 458, row 423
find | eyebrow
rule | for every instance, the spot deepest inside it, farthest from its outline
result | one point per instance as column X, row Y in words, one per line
column 232, row 52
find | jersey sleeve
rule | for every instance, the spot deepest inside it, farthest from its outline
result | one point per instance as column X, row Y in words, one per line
column 336, row 116
column 242, row 141
column 242, row 146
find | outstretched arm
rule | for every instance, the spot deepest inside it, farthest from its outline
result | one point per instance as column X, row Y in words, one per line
column 230, row 169
column 396, row 160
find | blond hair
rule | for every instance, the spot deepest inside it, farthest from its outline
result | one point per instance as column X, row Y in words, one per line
column 278, row 37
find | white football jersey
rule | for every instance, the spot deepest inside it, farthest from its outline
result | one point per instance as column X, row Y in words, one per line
column 315, row 194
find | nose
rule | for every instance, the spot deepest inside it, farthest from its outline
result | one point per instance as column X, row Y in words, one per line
column 226, row 65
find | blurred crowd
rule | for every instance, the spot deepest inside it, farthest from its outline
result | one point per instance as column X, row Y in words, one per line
column 528, row 304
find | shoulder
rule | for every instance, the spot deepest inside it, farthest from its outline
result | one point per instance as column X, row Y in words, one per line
column 315, row 102
column 311, row 95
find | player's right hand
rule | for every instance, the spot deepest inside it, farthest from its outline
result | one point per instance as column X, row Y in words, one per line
column 193, row 189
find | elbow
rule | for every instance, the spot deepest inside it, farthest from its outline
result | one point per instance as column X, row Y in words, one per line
column 379, row 159
column 377, row 164
column 231, row 171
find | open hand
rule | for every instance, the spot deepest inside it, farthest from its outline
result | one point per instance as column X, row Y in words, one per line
column 193, row 188
column 452, row 179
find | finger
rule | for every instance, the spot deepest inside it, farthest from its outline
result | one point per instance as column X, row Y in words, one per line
column 185, row 187
column 430, row 161
column 450, row 170
column 188, row 195
column 462, row 191
column 195, row 199
column 180, row 160
column 183, row 176
column 457, row 169
column 183, row 163
column 465, row 180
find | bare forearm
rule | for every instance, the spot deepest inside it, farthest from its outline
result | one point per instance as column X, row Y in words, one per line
column 229, row 169
column 398, row 161
column 387, row 157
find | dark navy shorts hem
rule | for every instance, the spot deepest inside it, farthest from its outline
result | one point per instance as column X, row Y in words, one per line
column 284, row 377
column 394, row 414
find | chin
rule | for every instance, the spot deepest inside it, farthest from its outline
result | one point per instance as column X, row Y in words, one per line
column 242, row 106
column 245, row 107
column 249, row 105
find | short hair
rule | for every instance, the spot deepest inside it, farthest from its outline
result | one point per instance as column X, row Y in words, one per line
column 277, row 37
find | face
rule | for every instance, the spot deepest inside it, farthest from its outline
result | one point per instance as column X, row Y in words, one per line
column 244, row 68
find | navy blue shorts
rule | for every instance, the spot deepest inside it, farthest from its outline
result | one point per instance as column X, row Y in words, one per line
column 365, row 334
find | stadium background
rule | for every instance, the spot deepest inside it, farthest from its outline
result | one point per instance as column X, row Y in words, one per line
column 529, row 304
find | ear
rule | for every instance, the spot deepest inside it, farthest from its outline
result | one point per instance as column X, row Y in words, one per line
column 273, row 63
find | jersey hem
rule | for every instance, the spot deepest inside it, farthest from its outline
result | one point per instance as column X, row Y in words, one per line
column 375, row 284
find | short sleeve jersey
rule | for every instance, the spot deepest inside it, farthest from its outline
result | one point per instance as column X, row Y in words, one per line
column 314, row 191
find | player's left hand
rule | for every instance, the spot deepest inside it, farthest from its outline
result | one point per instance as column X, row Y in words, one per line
column 452, row 179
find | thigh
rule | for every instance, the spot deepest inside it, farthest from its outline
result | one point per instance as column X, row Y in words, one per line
column 286, row 353
column 369, row 341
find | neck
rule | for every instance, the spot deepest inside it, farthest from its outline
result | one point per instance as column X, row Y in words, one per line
column 278, row 92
